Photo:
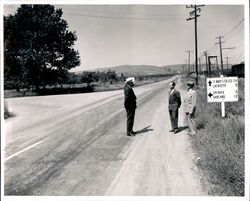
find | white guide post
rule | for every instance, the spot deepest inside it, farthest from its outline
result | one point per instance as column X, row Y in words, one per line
column 223, row 109
column 222, row 105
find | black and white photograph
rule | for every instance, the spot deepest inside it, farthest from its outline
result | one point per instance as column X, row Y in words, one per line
column 125, row 100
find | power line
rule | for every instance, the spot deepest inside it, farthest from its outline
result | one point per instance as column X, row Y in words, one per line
column 212, row 48
column 123, row 18
column 236, row 37
column 121, row 12
column 228, row 33
column 235, row 27
column 240, row 44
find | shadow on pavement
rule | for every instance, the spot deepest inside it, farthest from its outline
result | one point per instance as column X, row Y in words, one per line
column 181, row 129
column 144, row 130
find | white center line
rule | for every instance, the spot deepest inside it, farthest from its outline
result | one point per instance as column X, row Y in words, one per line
column 27, row 148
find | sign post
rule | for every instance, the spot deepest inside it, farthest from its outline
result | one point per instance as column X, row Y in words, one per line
column 223, row 109
column 222, row 89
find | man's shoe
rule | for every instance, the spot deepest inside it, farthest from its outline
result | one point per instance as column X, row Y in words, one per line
column 130, row 134
column 175, row 131
column 171, row 130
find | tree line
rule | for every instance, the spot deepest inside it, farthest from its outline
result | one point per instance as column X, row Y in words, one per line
column 70, row 78
column 95, row 76
column 39, row 53
column 38, row 47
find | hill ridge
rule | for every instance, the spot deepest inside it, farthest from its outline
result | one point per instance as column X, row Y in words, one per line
column 136, row 70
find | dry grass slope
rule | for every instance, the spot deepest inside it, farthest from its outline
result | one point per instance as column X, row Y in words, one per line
column 220, row 144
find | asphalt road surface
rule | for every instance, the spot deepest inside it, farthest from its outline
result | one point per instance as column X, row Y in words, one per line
column 77, row 145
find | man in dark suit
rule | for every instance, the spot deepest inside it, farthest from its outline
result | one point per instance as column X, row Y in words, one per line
column 174, row 100
column 130, row 104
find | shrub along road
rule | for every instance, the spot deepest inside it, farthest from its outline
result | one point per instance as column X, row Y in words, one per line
column 77, row 145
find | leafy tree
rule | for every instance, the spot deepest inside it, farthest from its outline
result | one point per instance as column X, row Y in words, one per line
column 74, row 78
column 38, row 46
column 87, row 77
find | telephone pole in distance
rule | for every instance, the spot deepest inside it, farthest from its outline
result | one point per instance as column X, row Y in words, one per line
column 221, row 59
column 193, row 15
column 189, row 51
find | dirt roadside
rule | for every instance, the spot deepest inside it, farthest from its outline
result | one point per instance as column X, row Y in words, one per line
column 159, row 163
column 89, row 154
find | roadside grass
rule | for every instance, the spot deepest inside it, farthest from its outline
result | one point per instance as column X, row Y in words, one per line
column 219, row 144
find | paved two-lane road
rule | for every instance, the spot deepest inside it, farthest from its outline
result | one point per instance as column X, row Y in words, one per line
column 77, row 145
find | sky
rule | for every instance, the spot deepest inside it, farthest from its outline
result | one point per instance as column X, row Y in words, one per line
column 113, row 35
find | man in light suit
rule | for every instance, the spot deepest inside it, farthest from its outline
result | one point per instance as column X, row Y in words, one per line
column 189, row 106
column 130, row 104
column 174, row 100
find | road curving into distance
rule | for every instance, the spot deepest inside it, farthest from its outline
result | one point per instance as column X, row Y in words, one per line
column 77, row 145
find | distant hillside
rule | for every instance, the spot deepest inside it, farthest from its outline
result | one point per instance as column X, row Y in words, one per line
column 136, row 70
column 174, row 68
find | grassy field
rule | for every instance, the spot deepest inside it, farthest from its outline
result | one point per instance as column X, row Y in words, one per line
column 219, row 144
column 82, row 88
column 77, row 88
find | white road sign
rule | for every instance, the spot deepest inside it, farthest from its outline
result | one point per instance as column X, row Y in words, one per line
column 222, row 89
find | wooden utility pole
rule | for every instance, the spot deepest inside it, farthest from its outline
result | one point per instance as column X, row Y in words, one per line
column 196, row 46
column 200, row 65
column 195, row 16
column 183, row 69
column 221, row 58
column 227, row 62
column 188, row 70
column 209, row 64
column 205, row 54
column 228, row 48
column 209, row 67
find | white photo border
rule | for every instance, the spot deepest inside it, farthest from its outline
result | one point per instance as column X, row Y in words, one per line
column 137, row 198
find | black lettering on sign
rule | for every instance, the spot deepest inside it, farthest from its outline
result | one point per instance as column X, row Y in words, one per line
column 219, row 96
column 219, row 85
column 218, row 92
column 228, row 81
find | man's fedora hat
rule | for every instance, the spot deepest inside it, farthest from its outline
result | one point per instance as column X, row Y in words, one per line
column 190, row 83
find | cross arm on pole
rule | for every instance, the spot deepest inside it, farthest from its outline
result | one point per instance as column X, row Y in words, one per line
column 220, row 42
column 219, row 37
column 191, row 18
column 196, row 10
column 200, row 5
column 228, row 48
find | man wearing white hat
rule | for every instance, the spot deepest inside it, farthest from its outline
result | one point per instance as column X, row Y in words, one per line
column 130, row 104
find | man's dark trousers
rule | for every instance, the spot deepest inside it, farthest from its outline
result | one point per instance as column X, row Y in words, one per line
column 174, row 118
column 130, row 119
